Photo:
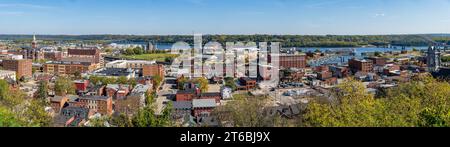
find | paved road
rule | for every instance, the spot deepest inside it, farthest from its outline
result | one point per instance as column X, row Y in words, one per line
column 162, row 96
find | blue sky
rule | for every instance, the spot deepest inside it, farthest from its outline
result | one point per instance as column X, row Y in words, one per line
column 303, row 17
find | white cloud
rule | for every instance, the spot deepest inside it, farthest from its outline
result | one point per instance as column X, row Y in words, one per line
column 380, row 15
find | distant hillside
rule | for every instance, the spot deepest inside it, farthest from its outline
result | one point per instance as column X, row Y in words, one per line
column 286, row 40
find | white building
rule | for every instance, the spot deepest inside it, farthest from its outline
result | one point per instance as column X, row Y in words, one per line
column 134, row 64
column 6, row 74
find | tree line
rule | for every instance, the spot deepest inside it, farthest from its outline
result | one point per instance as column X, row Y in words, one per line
column 286, row 40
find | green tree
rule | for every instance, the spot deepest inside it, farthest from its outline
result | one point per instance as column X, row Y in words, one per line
column 8, row 119
column 4, row 88
column 129, row 51
column 95, row 80
column 423, row 102
column 353, row 107
column 203, row 83
column 378, row 54
column 108, row 50
column 165, row 120
column 37, row 115
column 132, row 82
column 248, row 111
column 122, row 80
column 229, row 82
column 64, row 86
column 77, row 74
column 181, row 81
column 42, row 92
column 106, row 81
column 157, row 80
column 121, row 121
column 99, row 122
column 145, row 118
column 138, row 51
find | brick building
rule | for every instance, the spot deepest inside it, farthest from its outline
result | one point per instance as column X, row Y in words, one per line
column 356, row 65
column 292, row 61
column 187, row 95
column 153, row 70
column 246, row 83
column 100, row 104
column 379, row 61
column 203, row 107
column 81, row 85
column 86, row 53
column 339, row 71
column 58, row 102
column 58, row 67
column 54, row 56
column 23, row 68
column 117, row 91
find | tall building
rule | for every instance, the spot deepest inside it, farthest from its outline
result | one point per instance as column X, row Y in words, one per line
column 356, row 65
column 433, row 59
column 23, row 68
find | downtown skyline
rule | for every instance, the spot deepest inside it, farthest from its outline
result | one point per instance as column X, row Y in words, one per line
column 184, row 17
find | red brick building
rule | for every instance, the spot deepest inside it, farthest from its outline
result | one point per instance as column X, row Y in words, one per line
column 324, row 75
column 100, row 104
column 246, row 84
column 86, row 53
column 153, row 70
column 293, row 61
column 187, row 95
column 58, row 102
column 81, row 85
column 364, row 66
column 203, row 107
column 117, row 91
column 378, row 61
column 54, row 56
column 23, row 68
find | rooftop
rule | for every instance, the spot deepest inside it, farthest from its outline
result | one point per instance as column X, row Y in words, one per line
column 188, row 91
column 140, row 88
column 69, row 62
column 114, row 72
column 117, row 86
column 204, row 103
column 102, row 98
column 182, row 105
column 211, row 94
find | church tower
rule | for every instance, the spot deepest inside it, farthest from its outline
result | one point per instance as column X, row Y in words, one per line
column 34, row 42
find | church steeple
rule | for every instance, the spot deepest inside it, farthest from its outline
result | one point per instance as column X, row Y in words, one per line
column 34, row 42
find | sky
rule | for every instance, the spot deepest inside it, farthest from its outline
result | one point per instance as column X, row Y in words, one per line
column 175, row 17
